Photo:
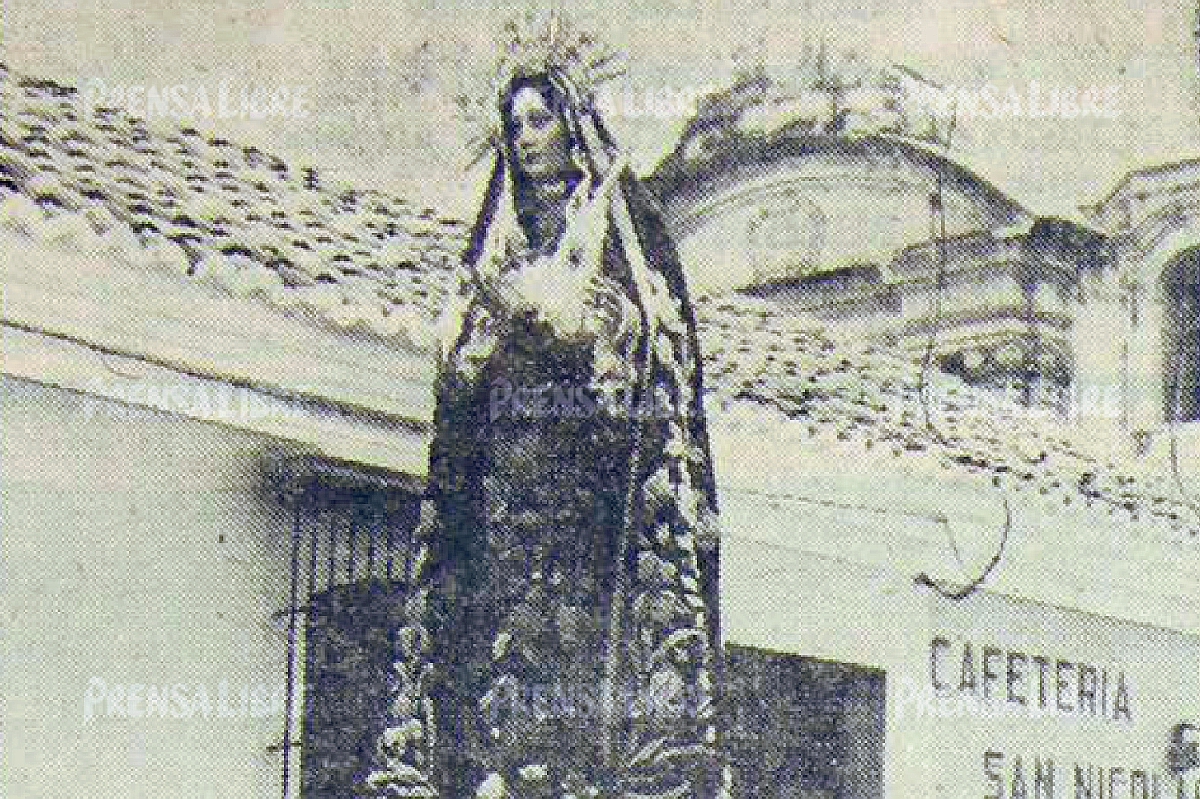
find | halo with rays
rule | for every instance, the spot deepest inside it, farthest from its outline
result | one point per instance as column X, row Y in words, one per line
column 536, row 44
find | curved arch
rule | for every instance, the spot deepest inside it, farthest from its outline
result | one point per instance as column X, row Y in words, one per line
column 1146, row 266
column 851, row 202
column 679, row 181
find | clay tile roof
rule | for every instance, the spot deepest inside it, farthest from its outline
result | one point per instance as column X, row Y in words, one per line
column 861, row 392
column 382, row 270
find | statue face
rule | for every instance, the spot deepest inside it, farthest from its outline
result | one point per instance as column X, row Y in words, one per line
column 539, row 136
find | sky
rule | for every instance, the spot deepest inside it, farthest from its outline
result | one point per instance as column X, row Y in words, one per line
column 377, row 79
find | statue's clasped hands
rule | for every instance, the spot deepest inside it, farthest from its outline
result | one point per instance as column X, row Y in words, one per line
column 566, row 287
column 564, row 295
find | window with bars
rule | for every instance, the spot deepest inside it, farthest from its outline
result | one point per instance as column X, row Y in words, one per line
column 350, row 551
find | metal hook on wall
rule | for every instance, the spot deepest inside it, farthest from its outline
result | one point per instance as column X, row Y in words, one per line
column 960, row 592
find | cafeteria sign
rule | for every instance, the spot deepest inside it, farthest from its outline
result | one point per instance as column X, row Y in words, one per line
column 1031, row 680
column 1016, row 683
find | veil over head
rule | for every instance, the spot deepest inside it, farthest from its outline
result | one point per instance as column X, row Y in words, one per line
column 611, row 207
column 666, row 550
column 497, row 232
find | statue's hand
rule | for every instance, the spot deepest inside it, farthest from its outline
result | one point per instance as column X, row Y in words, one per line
column 544, row 290
column 503, row 292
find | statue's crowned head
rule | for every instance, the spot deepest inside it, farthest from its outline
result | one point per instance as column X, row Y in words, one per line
column 537, row 133
column 547, row 56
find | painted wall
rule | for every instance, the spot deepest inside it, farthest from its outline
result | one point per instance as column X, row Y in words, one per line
column 954, row 727
column 143, row 652
column 823, row 545
column 1084, row 702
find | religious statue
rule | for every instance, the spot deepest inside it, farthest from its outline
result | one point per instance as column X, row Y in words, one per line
column 562, row 635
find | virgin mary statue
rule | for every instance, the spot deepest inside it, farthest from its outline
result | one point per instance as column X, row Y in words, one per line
column 561, row 635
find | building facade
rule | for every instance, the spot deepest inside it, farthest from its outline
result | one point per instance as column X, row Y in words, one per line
column 216, row 428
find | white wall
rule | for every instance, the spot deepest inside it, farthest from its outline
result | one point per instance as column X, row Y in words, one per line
column 1160, row 670
column 780, row 594
column 136, row 551
column 823, row 544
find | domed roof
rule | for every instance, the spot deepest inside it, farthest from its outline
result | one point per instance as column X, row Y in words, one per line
column 767, row 183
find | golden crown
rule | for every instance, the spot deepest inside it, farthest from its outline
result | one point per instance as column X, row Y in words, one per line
column 538, row 44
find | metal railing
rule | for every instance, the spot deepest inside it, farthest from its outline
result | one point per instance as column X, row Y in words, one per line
column 351, row 531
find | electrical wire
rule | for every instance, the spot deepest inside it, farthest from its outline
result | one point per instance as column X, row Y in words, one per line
column 968, row 588
column 940, row 586
column 937, row 229
column 937, row 224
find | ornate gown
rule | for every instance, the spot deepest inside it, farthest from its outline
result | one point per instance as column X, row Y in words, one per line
column 562, row 632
